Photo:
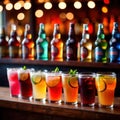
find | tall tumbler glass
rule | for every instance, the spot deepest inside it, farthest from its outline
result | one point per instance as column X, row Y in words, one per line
column 87, row 88
column 70, row 88
column 14, row 85
column 38, row 85
column 106, row 84
column 54, row 85
column 25, row 83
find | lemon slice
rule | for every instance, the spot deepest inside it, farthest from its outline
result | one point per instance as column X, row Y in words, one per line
column 24, row 76
column 101, row 84
column 36, row 79
column 73, row 82
column 52, row 81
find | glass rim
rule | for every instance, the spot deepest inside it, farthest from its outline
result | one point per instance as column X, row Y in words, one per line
column 86, row 74
column 105, row 73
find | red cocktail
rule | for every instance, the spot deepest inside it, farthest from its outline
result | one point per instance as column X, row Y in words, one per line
column 54, row 84
column 14, row 85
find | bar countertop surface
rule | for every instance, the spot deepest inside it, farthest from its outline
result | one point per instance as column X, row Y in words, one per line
column 61, row 110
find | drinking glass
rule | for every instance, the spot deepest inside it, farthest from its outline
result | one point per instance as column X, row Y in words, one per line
column 106, row 84
column 54, row 85
column 38, row 85
column 87, row 88
column 14, row 85
column 70, row 88
column 25, row 83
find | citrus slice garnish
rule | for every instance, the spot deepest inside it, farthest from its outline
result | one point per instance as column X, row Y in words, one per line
column 24, row 76
column 52, row 81
column 110, row 80
column 36, row 79
column 101, row 84
column 73, row 82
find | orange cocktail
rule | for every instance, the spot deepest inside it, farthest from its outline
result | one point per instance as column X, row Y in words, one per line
column 70, row 88
column 106, row 84
column 54, row 85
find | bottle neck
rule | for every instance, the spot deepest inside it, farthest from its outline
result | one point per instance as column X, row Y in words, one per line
column 56, row 33
column 27, row 33
column 85, row 33
column 41, row 32
column 57, row 36
column 100, row 34
column 13, row 34
column 115, row 33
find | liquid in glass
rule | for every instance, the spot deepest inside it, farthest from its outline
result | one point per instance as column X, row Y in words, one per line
column 70, row 88
column 87, row 89
column 106, row 84
column 38, row 85
column 14, row 85
column 54, row 85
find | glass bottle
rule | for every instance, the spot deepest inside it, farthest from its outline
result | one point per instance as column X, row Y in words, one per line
column 13, row 43
column 28, row 44
column 101, row 46
column 41, row 44
column 71, row 44
column 3, row 44
column 56, row 45
column 86, row 45
column 114, row 50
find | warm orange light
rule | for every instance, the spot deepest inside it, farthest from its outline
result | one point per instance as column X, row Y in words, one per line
column 69, row 16
column 17, row 6
column 48, row 5
column 20, row 16
column 62, row 16
column 9, row 6
column 27, row 5
column 104, row 9
column 41, row 1
column 62, row 5
column 38, row 13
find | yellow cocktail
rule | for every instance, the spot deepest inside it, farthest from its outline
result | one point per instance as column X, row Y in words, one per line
column 106, row 84
column 38, row 85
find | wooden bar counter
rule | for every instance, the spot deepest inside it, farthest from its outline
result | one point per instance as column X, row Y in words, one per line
column 19, row 109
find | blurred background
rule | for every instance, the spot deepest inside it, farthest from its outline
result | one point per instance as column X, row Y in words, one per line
column 63, row 12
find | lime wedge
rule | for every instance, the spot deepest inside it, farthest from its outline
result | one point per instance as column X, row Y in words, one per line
column 36, row 79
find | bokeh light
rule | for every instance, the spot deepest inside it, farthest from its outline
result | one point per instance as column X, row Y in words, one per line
column 39, row 13
column 77, row 4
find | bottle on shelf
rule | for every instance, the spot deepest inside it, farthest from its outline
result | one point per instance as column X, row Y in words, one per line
column 3, row 44
column 56, row 45
column 13, row 43
column 28, row 51
column 86, row 45
column 71, row 44
column 101, row 46
column 41, row 44
column 114, row 50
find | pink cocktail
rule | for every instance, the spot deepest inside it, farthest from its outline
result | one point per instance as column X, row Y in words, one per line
column 14, row 85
